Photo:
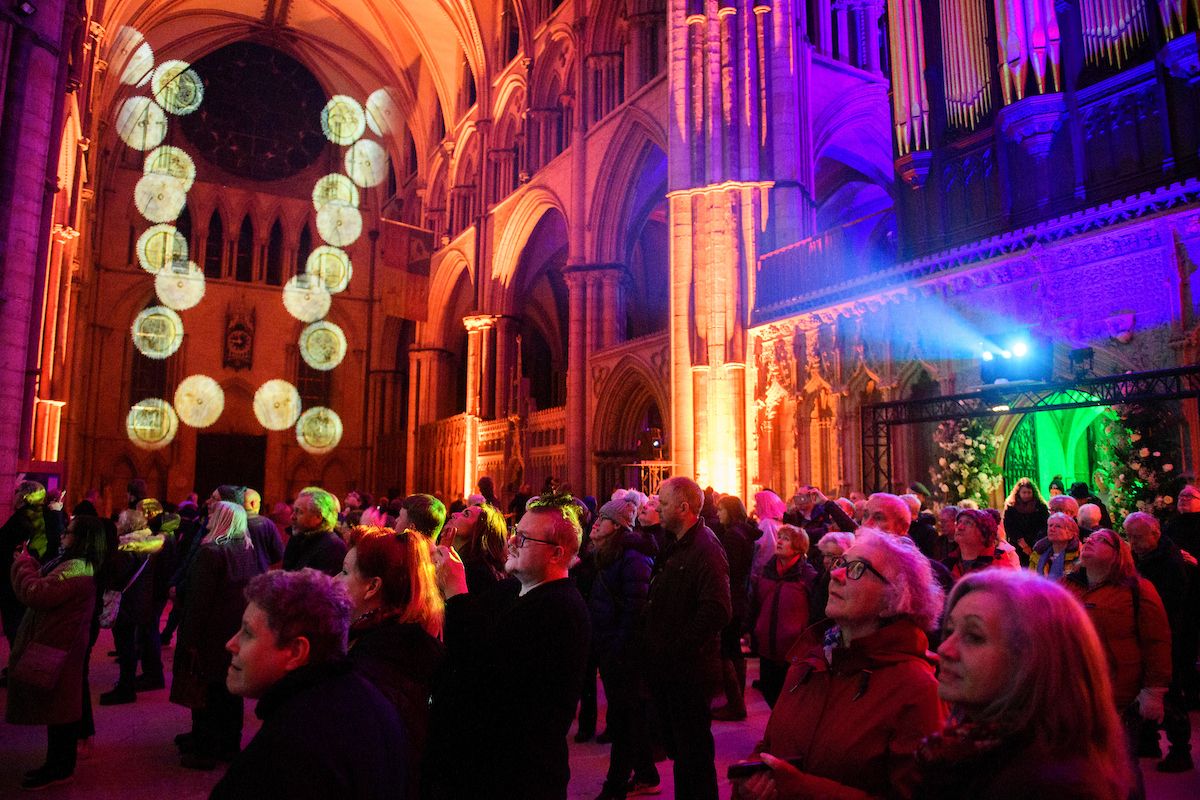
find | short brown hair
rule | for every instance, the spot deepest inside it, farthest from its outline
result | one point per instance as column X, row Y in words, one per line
column 304, row 603
column 426, row 514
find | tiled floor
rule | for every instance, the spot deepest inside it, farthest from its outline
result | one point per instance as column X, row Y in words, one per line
column 134, row 758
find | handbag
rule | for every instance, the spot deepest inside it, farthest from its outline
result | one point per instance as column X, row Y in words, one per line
column 40, row 665
column 112, row 599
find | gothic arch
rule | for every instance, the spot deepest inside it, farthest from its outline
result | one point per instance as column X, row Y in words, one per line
column 533, row 205
column 453, row 268
column 622, row 399
column 639, row 134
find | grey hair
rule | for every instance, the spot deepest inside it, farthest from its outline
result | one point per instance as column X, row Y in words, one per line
column 1064, row 503
column 911, row 590
column 1142, row 517
column 1089, row 515
column 1067, row 519
column 840, row 539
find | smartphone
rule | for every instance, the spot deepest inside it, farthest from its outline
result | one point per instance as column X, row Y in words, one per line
column 744, row 769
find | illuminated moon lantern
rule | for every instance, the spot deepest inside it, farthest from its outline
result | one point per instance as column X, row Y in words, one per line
column 335, row 188
column 306, row 299
column 141, row 123
column 277, row 405
column 151, row 423
column 131, row 45
column 383, row 115
column 199, row 400
column 169, row 160
column 322, row 345
column 330, row 265
column 180, row 286
column 160, row 247
column 339, row 224
column 157, row 332
column 319, row 430
column 366, row 163
column 343, row 120
column 177, row 87
column 159, row 198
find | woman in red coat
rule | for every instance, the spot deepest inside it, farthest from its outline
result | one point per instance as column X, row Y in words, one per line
column 46, row 664
column 854, row 710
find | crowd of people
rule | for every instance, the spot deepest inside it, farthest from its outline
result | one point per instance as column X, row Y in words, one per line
column 398, row 648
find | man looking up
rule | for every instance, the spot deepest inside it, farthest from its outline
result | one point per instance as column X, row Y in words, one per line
column 268, row 544
column 290, row 654
column 517, row 655
column 313, row 543
column 688, row 606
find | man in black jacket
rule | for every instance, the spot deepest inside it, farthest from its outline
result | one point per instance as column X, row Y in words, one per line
column 517, row 655
column 290, row 654
column 314, row 543
column 688, row 606
column 1158, row 561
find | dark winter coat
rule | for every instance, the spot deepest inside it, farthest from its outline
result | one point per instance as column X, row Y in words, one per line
column 688, row 606
column 738, row 541
column 59, row 612
column 857, row 720
column 618, row 598
column 923, row 531
column 326, row 732
column 324, row 551
column 268, row 544
column 17, row 530
column 1025, row 526
column 1184, row 531
column 1172, row 578
column 781, row 609
column 517, row 666
column 401, row 660
column 212, row 613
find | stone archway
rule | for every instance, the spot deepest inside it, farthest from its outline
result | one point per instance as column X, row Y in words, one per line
column 630, row 416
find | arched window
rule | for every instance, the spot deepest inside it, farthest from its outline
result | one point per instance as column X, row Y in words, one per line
column 275, row 255
column 184, row 225
column 304, row 249
column 510, row 32
column 468, row 88
column 243, row 260
column 315, row 386
column 214, row 247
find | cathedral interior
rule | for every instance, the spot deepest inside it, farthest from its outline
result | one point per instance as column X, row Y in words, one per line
column 402, row 245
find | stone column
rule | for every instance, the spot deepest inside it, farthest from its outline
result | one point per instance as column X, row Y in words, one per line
column 479, row 362
column 576, row 380
column 613, row 308
column 426, row 372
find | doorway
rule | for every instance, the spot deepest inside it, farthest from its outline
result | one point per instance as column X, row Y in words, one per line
column 1059, row 443
column 229, row 458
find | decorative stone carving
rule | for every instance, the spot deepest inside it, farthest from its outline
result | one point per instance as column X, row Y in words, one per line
column 1032, row 122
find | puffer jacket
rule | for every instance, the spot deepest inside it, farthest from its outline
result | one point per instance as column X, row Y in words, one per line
column 780, row 610
column 59, row 614
column 619, row 596
column 1137, row 640
column 857, row 717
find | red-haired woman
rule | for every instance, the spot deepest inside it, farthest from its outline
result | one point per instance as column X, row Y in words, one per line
column 398, row 613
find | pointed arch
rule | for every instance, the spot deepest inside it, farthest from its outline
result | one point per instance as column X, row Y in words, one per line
column 533, row 205
column 637, row 136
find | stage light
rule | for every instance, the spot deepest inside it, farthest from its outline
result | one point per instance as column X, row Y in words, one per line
column 1006, row 353
column 986, row 355
column 277, row 405
column 1019, row 349
column 322, row 345
column 1001, row 408
column 157, row 332
column 141, row 123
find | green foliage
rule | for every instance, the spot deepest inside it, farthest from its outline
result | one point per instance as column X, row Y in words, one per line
column 1139, row 460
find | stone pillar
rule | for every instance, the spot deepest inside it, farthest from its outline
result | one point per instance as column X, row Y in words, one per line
column 612, row 305
column 507, row 379
column 479, row 362
column 426, row 372
column 576, row 381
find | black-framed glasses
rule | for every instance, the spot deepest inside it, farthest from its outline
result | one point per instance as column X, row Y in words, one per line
column 518, row 540
column 855, row 569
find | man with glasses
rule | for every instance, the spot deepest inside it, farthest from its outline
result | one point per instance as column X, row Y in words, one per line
column 688, row 606
column 516, row 657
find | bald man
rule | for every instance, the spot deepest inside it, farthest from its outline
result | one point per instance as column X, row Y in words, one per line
column 890, row 514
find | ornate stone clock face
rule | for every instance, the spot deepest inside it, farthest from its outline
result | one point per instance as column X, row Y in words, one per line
column 160, row 247
column 366, row 163
column 199, row 401
column 157, row 332
column 319, row 430
column 169, row 160
column 238, row 342
column 177, row 87
column 305, row 298
column 180, row 287
column 322, row 345
column 343, row 120
column 331, row 266
column 151, row 424
column 339, row 224
column 277, row 405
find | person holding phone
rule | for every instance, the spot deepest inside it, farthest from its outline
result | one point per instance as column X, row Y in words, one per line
column 854, row 709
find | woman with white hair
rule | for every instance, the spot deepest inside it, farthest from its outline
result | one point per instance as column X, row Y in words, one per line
column 1058, row 554
column 768, row 515
column 211, row 615
column 854, row 710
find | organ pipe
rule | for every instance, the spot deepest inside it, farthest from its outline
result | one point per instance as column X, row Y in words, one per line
column 1028, row 40
column 910, row 98
column 1112, row 29
column 966, row 73
column 1175, row 17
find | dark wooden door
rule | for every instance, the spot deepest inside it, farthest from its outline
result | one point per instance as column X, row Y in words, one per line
column 231, row 458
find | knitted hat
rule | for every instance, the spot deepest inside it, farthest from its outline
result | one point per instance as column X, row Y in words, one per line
column 622, row 512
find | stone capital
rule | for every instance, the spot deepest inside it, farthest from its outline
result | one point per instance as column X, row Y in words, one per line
column 479, row 322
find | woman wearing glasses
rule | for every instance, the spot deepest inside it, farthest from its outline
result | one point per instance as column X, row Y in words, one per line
column 1132, row 623
column 853, row 711
column 397, row 616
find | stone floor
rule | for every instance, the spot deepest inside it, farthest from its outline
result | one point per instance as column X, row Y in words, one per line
column 134, row 758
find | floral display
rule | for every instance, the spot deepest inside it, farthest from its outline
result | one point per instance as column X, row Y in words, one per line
column 968, row 468
column 1139, row 460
